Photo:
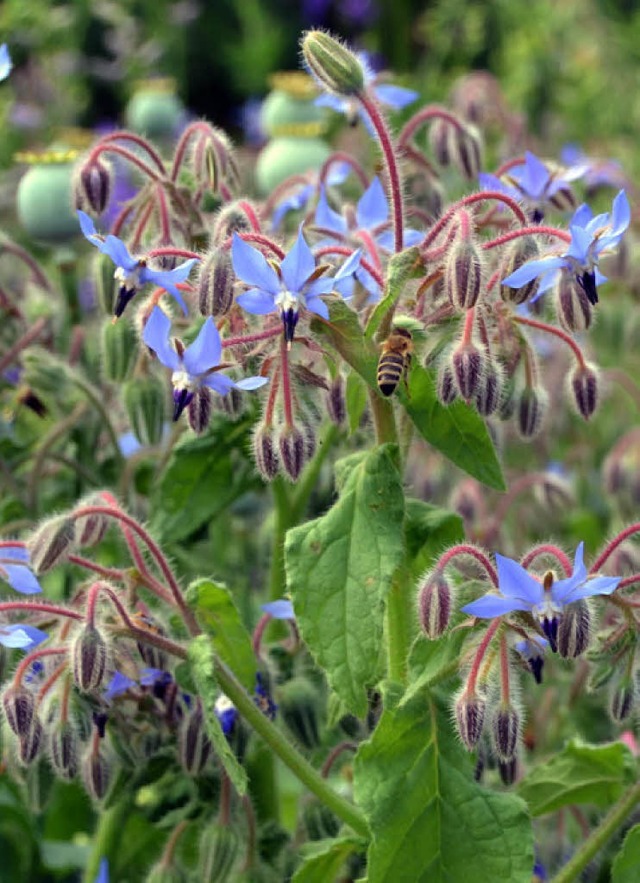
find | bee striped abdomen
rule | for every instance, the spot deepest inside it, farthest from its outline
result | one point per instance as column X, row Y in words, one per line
column 390, row 369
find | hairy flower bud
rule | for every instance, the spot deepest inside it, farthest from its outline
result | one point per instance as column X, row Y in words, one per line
column 92, row 185
column 119, row 349
column 292, row 451
column 194, row 746
column 298, row 702
column 215, row 283
column 441, row 141
column 507, row 770
column 470, row 711
column 487, row 395
column 104, row 282
column 30, row 743
column 447, row 388
column 463, row 274
column 505, row 732
column 574, row 630
column 89, row 659
column 336, row 405
column 467, row 151
column 63, row 750
column 584, row 385
column 434, row 604
column 19, row 709
column 337, row 68
column 574, row 310
column 530, row 410
column 467, row 363
column 319, row 821
column 522, row 250
column 265, row 453
column 96, row 771
column 90, row 529
column 229, row 220
column 220, row 848
column 199, row 409
column 51, row 543
column 145, row 404
column 622, row 699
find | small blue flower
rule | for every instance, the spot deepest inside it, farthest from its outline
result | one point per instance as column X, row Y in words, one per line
column 5, row 62
column 118, row 685
column 295, row 279
column 392, row 96
column 280, row 609
column 595, row 172
column 21, row 637
column 532, row 650
column 227, row 714
column 155, row 677
column 532, row 182
column 298, row 200
column 194, row 367
column 132, row 273
column 590, row 237
column 14, row 568
column 263, row 698
column 518, row 590
column 103, row 873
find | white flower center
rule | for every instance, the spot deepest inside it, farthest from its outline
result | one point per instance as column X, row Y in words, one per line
column 129, row 281
column 223, row 703
column 286, row 301
column 181, row 380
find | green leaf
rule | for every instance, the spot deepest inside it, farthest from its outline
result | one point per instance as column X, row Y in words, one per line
column 205, row 474
column 324, row 859
column 58, row 855
column 356, row 400
column 430, row 822
column 626, row 865
column 456, row 430
column 433, row 661
column 595, row 774
column 428, row 530
column 339, row 569
column 345, row 335
column 219, row 617
column 403, row 266
column 201, row 657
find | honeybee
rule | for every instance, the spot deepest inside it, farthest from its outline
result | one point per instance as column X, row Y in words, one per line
column 395, row 360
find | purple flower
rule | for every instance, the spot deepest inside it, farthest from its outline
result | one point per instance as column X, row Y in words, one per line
column 103, row 873
column 294, row 280
column 5, row 62
column 21, row 637
column 118, row 685
column 299, row 198
column 532, row 182
column 15, row 569
column 590, row 237
column 194, row 367
column 532, row 650
column 132, row 273
column 545, row 600
column 280, row 609
column 227, row 714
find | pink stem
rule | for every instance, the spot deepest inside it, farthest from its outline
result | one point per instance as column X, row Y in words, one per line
column 342, row 249
column 138, row 141
column 613, row 545
column 548, row 549
column 423, row 116
column 342, row 157
column 477, row 554
column 470, row 200
column 31, row 657
column 504, row 670
column 251, row 338
column 261, row 240
column 247, row 208
column 183, row 143
column 176, row 252
column 41, row 607
column 527, row 231
column 23, row 342
column 334, row 755
column 130, row 157
column 286, row 383
column 482, row 649
column 551, row 329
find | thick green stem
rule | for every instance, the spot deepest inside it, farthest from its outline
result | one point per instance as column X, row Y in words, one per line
column 609, row 826
column 303, row 770
column 282, row 522
column 400, row 631
column 107, row 837
column 383, row 418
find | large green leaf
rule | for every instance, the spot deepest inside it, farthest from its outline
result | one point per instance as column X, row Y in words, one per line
column 219, row 617
column 456, row 430
column 433, row 661
column 403, row 266
column 201, row 657
column 323, row 860
column 205, row 474
column 428, row 530
column 339, row 569
column 595, row 774
column 345, row 335
column 430, row 821
column 626, row 866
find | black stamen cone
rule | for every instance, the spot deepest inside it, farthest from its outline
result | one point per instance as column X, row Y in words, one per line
column 181, row 398
column 289, row 320
column 588, row 284
column 536, row 665
column 124, row 296
column 550, row 628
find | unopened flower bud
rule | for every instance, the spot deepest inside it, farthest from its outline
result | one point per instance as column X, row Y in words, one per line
column 220, row 848
column 530, row 411
column 336, row 406
column 507, row 770
column 554, row 492
column 199, row 410
column 63, row 750
column 145, row 404
column 90, row 529
column 320, row 822
column 30, row 743
column 52, row 543
column 434, row 604
column 229, row 220
column 92, row 185
column 467, row 363
column 89, row 659
column 470, row 710
column 622, row 699
column 584, row 385
column 215, row 284
column 265, row 453
column 487, row 396
column 574, row 310
column 104, row 282
column 19, row 709
column 95, row 771
column 441, row 141
column 574, row 630
column 119, row 349
column 463, row 274
column 467, row 151
column 337, row 68
column 298, row 702
column 447, row 388
column 505, row 732
column 522, row 250
column 194, row 746
column 292, row 451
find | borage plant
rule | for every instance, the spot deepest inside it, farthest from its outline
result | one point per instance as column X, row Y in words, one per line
column 387, row 701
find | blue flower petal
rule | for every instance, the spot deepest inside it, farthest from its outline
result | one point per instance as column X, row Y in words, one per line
column 579, row 246
column 5, row 62
column 295, row 202
column 14, row 552
column 298, row 264
column 315, row 305
column 372, row 208
column 251, row 383
column 89, row 228
column 527, row 272
column 581, row 216
column 156, row 336
column 205, row 351
column 332, row 101
column 168, row 279
column 620, row 214
column 251, row 266
column 350, row 266
column 256, row 301
column 280, row 609
column 219, row 383
column 118, row 685
column 600, row 585
column 394, row 96
column 515, row 582
column 118, row 252
column 533, row 177
column 20, row 578
column 326, row 217
column 491, row 182
column 22, row 637
column 494, row 605
column 103, row 873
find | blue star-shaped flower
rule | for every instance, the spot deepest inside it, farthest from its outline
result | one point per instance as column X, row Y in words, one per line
column 5, row 62
column 14, row 568
column 532, row 182
column 132, row 273
column 590, row 237
column 194, row 367
column 118, row 685
column 299, row 199
column 296, row 278
column 280, row 609
column 393, row 96
column 532, row 650
column 518, row 590
column 21, row 637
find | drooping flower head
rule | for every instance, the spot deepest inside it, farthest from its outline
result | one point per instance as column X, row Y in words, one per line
column 280, row 609
column 282, row 287
column 132, row 273
column 590, row 237
column 545, row 599
column 15, row 569
column 21, row 637
column 534, row 183
column 532, row 650
column 194, row 366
